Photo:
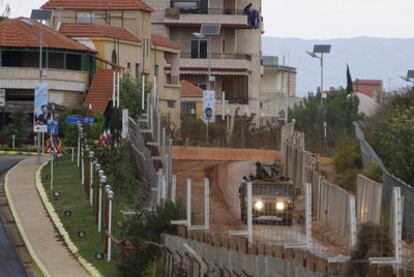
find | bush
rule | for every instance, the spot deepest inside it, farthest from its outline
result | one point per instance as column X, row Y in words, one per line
column 19, row 126
column 373, row 172
column 144, row 231
column 372, row 241
column 348, row 163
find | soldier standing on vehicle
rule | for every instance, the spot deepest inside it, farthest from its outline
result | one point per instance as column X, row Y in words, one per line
column 261, row 173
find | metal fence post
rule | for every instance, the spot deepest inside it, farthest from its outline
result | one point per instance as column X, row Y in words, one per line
column 352, row 221
column 206, row 203
column 188, row 200
column 308, row 214
column 249, row 213
column 397, row 225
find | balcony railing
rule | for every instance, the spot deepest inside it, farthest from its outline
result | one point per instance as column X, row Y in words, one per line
column 219, row 56
column 211, row 11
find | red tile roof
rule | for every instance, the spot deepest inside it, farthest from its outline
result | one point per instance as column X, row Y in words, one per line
column 95, row 30
column 22, row 32
column 100, row 91
column 190, row 90
column 164, row 41
column 98, row 5
column 368, row 82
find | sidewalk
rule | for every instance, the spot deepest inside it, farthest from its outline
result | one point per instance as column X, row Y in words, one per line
column 39, row 230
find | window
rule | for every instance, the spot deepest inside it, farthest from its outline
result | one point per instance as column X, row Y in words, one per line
column 188, row 109
column 129, row 66
column 85, row 17
column 146, row 47
column 202, row 86
column 136, row 70
column 56, row 60
column 156, row 68
column 198, row 49
column 168, row 78
column 114, row 57
column 171, row 104
column 73, row 62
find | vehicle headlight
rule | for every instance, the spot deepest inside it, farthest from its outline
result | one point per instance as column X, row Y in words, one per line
column 280, row 206
column 258, row 205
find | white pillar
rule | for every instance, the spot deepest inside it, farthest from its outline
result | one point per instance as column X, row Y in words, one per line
column 188, row 206
column 110, row 197
column 113, row 89
column 206, row 203
column 160, row 185
column 223, row 106
column 352, row 221
column 397, row 225
column 308, row 214
column 117, row 90
column 249, row 213
column 164, row 188
column 83, row 167
column 78, row 152
column 100, row 207
column 173, row 188
column 143, row 92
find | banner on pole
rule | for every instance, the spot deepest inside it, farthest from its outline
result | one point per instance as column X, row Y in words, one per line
column 209, row 106
column 41, row 112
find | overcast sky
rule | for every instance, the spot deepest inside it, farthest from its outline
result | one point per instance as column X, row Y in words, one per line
column 318, row 19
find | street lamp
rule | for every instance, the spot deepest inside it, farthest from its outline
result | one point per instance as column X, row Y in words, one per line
column 208, row 30
column 320, row 49
column 410, row 76
column 40, row 15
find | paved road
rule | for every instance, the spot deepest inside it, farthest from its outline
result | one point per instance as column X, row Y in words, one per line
column 9, row 262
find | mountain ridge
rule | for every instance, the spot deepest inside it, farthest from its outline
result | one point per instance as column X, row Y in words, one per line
column 368, row 57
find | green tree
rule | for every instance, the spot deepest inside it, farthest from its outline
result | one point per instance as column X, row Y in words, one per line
column 339, row 110
column 131, row 94
column 19, row 126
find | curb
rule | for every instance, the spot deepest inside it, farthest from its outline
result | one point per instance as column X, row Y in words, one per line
column 18, row 153
column 19, row 226
column 59, row 226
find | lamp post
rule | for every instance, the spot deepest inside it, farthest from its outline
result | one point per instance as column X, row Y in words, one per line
column 40, row 15
column 320, row 49
column 102, row 182
column 110, row 198
column 89, row 189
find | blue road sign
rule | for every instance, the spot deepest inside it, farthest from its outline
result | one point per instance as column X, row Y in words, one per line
column 53, row 127
column 89, row 120
column 73, row 119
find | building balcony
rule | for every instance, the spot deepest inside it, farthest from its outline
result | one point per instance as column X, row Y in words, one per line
column 228, row 18
column 239, row 64
column 57, row 79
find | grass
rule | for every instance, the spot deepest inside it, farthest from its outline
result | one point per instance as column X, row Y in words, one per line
column 73, row 198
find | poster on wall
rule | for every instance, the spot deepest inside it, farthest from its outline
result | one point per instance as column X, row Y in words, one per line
column 209, row 106
column 41, row 112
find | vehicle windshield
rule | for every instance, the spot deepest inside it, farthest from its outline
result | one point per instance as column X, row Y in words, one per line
column 277, row 190
column 259, row 190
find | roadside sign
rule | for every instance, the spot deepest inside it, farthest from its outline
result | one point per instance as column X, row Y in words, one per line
column 89, row 120
column 73, row 119
column 53, row 127
column 2, row 97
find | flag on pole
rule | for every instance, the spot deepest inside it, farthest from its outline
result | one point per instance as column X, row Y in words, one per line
column 90, row 111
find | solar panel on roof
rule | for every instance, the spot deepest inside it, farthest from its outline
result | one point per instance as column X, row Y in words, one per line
column 410, row 74
column 210, row 29
column 322, row 48
column 41, row 14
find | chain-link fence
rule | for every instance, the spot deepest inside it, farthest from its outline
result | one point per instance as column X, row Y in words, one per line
column 232, row 131
column 389, row 182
